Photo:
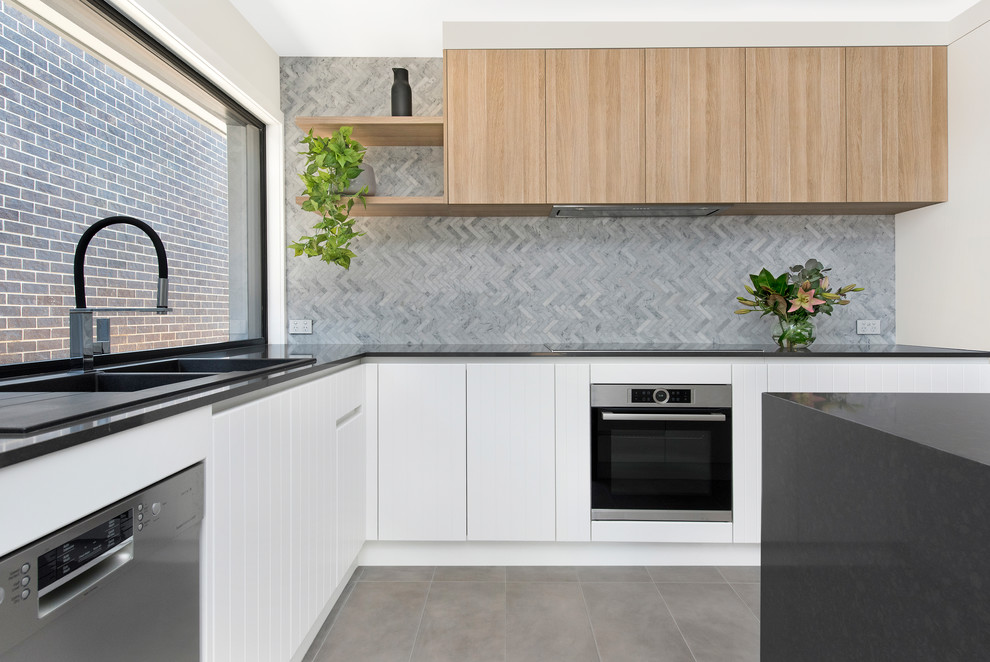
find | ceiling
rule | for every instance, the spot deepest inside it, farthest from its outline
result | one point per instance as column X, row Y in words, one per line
column 384, row 28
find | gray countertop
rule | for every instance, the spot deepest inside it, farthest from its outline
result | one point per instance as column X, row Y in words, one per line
column 40, row 424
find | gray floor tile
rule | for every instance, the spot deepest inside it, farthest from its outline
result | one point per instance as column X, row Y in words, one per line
column 740, row 573
column 750, row 594
column 547, row 621
column 463, row 620
column 686, row 573
column 605, row 573
column 541, row 573
column 397, row 573
column 321, row 636
column 631, row 623
column 716, row 623
column 377, row 623
column 470, row 573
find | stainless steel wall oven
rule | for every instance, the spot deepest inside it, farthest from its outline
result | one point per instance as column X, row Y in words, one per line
column 661, row 452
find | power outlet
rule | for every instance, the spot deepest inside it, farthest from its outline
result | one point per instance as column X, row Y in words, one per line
column 299, row 327
column 868, row 327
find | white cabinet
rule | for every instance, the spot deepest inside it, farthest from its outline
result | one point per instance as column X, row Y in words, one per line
column 285, row 515
column 749, row 382
column 421, row 452
column 881, row 376
column 510, row 452
column 572, row 414
column 248, row 497
column 350, row 416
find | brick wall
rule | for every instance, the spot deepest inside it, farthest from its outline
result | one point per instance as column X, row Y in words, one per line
column 79, row 141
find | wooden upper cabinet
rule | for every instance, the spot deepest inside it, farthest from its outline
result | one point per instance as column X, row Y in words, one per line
column 695, row 125
column 896, row 110
column 595, row 126
column 795, row 125
column 495, row 132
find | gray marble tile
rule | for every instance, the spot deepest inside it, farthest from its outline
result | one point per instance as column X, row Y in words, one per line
column 470, row 573
column 686, row 573
column 740, row 573
column 463, row 620
column 397, row 573
column 379, row 622
column 631, row 623
column 750, row 594
column 618, row 573
column 541, row 573
column 547, row 621
column 716, row 624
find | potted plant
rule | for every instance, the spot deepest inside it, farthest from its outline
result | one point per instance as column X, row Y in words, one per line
column 794, row 298
column 331, row 164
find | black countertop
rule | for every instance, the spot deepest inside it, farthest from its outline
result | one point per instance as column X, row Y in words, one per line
column 40, row 424
column 875, row 526
column 954, row 423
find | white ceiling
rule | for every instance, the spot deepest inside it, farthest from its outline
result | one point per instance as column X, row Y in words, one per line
column 413, row 28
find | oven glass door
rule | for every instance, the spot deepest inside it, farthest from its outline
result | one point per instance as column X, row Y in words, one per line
column 661, row 464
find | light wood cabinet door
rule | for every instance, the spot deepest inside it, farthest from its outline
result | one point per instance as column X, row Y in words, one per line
column 494, row 121
column 595, row 126
column 896, row 110
column 795, row 125
column 695, row 125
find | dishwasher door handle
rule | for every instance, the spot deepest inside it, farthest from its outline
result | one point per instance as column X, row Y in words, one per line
column 701, row 418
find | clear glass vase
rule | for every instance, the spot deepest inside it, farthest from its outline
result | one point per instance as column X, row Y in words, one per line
column 794, row 334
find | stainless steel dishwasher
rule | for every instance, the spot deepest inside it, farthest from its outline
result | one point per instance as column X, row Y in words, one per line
column 121, row 584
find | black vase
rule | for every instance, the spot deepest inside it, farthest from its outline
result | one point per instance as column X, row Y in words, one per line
column 401, row 94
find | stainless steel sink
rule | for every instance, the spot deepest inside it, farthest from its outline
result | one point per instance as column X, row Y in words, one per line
column 96, row 382
column 212, row 365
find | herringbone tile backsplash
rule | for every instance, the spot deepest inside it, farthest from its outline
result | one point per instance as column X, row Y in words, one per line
column 532, row 280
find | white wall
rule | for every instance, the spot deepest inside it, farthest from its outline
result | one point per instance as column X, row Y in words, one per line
column 942, row 251
column 221, row 39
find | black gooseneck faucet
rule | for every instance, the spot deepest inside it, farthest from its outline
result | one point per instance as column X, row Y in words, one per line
column 81, row 347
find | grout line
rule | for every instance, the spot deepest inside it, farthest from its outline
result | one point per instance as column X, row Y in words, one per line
column 348, row 590
column 743, row 601
column 676, row 624
column 422, row 615
column 591, row 625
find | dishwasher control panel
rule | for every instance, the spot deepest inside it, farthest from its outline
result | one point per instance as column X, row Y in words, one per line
column 59, row 572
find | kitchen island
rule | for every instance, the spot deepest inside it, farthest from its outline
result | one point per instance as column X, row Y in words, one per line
column 876, row 525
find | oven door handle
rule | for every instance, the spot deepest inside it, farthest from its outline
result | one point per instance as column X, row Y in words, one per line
column 701, row 418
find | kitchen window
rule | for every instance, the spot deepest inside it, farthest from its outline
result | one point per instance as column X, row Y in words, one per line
column 97, row 120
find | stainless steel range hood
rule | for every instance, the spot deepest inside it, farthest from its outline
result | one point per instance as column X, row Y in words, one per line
column 622, row 211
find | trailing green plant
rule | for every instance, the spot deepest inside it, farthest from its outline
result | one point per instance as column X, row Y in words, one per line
column 331, row 164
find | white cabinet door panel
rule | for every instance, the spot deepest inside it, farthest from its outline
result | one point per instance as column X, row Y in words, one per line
column 573, row 440
column 510, row 452
column 888, row 376
column 749, row 382
column 422, row 452
column 248, row 606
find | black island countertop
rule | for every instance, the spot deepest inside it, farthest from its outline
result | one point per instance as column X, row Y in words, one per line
column 875, row 526
column 51, row 422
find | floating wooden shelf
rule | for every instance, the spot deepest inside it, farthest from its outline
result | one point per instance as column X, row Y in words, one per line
column 435, row 206
column 372, row 131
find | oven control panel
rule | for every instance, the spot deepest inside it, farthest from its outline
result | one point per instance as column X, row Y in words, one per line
column 680, row 396
column 662, row 396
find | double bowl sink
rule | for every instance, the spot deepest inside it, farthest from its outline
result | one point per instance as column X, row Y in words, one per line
column 152, row 374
